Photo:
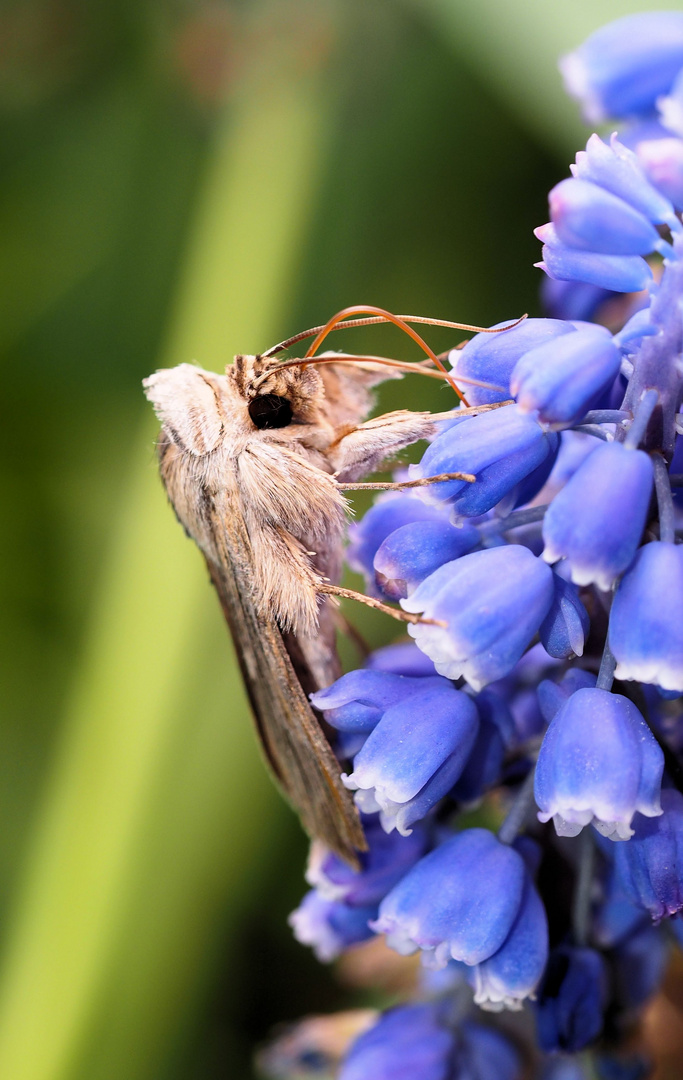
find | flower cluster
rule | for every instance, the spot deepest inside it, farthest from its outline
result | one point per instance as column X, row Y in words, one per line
column 553, row 573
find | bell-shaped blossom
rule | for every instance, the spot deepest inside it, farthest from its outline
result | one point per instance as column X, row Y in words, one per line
column 492, row 603
column 330, row 926
column 589, row 218
column 484, row 1053
column 571, row 999
column 527, row 489
column 565, row 627
column 491, row 357
column 646, row 628
column 413, row 552
column 561, row 380
column 495, row 736
column 599, row 763
column 662, row 161
column 622, row 68
column 359, row 699
column 500, row 447
column 650, row 866
column 389, row 512
column 414, row 755
column 403, row 658
column 388, row 858
column 514, row 971
column 410, row 1040
column 618, row 170
column 553, row 695
column 618, row 273
column 596, row 522
column 460, row 901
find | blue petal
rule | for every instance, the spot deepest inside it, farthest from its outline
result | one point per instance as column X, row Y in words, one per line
column 646, row 628
column 514, row 971
column 650, row 866
column 571, row 1000
column 589, row 218
column 622, row 68
column 389, row 512
column 596, row 522
column 617, row 169
column 358, row 700
column 618, row 273
column 409, row 1041
column 565, row 627
column 413, row 552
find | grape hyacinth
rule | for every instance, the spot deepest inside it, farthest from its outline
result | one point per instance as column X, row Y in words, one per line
column 543, row 689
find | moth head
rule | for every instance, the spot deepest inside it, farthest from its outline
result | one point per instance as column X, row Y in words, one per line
column 276, row 397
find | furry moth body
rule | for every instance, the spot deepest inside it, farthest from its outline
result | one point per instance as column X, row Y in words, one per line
column 251, row 461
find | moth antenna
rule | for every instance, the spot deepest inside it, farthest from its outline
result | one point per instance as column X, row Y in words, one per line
column 426, row 320
column 396, row 613
column 349, row 358
column 400, row 485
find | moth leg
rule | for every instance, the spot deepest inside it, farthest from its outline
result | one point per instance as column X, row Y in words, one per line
column 399, row 485
column 362, row 449
column 396, row 613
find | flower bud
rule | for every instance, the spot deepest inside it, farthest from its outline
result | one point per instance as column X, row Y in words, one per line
column 402, row 659
column 413, row 552
column 662, row 161
column 565, row 627
column 598, row 763
column 492, row 602
column 500, row 447
column 389, row 512
column 618, row 170
column 589, row 218
column 646, row 629
column 358, row 700
column 618, row 273
column 491, row 357
column 650, row 866
column 410, row 1040
column 561, row 380
column 596, row 521
column 622, row 68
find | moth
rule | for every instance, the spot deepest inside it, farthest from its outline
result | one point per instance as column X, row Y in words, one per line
column 255, row 463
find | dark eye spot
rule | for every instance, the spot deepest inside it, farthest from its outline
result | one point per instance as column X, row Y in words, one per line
column 270, row 411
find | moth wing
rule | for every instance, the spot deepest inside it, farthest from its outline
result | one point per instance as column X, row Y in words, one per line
column 348, row 389
column 292, row 738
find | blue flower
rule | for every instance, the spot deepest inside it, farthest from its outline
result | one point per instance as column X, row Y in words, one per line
column 409, row 1041
column 484, row 1054
column 513, row 972
column 618, row 170
column 413, row 552
column 571, row 999
column 589, row 218
column 617, row 273
column 622, row 68
column 565, row 627
column 639, row 963
column 330, row 926
column 646, row 628
column 500, row 447
column 596, row 522
column 390, row 512
column 650, row 866
column 458, row 902
column 493, row 603
column 553, row 695
column 357, row 701
column 598, row 763
column 491, row 357
column 562, row 379
column 388, row 858
column 414, row 755
column 573, row 300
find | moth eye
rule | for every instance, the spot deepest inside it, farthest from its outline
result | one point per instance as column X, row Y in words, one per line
column 270, row 411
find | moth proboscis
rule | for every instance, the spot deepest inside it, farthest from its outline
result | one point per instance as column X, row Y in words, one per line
column 255, row 463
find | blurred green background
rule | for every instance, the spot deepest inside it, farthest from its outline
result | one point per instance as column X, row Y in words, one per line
column 180, row 181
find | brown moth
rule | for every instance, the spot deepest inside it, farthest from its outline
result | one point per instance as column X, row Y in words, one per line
column 253, row 462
